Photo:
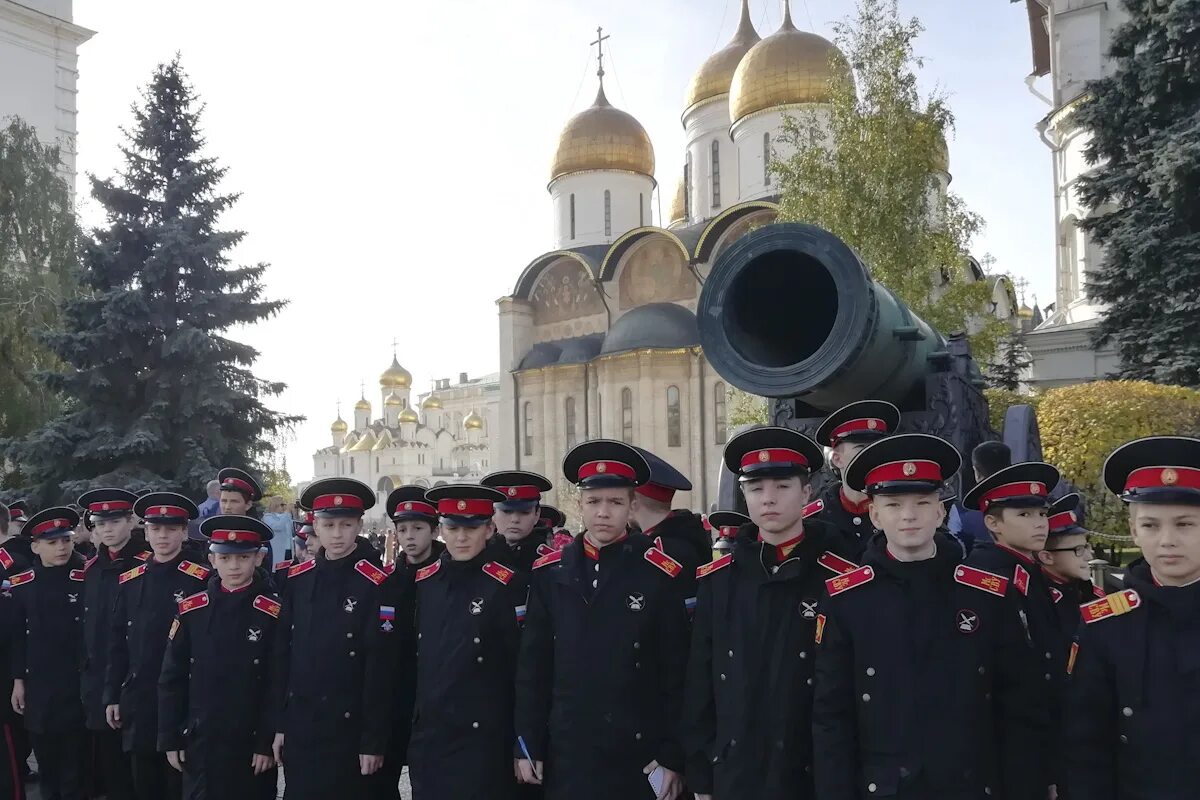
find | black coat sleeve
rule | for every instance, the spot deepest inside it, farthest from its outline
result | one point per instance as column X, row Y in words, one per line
column 118, row 651
column 835, row 720
column 268, row 713
column 14, row 614
column 281, row 654
column 535, row 670
column 174, row 682
column 1090, row 724
column 673, row 639
column 699, row 724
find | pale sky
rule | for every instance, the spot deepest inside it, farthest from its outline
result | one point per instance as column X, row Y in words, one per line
column 393, row 156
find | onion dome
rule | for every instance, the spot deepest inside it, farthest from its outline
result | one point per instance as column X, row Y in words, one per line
column 395, row 376
column 678, row 211
column 716, row 74
column 788, row 67
column 408, row 415
column 603, row 138
column 473, row 422
column 393, row 400
column 431, row 403
column 362, row 405
column 1025, row 312
column 339, row 426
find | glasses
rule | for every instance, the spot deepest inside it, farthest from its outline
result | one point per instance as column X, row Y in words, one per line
column 1079, row 550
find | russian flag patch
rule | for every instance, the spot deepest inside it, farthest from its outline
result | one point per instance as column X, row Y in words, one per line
column 690, row 605
column 387, row 614
column 520, row 611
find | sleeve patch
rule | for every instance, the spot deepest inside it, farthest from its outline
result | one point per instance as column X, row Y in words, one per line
column 371, row 572
column 705, row 570
column 980, row 579
column 663, row 561
column 129, row 575
column 198, row 600
column 820, row 627
column 548, row 559
column 1113, row 605
column 846, row 582
column 267, row 605
column 836, row 564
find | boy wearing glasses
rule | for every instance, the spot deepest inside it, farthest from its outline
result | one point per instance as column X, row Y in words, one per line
column 1064, row 563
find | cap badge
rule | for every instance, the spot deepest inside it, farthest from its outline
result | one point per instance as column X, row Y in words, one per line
column 1035, row 488
column 408, row 506
column 872, row 424
column 602, row 467
column 1073, row 517
column 1169, row 477
column 104, row 507
column 462, row 504
column 162, row 510
column 337, row 500
column 512, row 491
column 764, row 456
column 910, row 469
column 58, row 523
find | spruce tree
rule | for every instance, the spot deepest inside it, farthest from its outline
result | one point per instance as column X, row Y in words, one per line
column 1011, row 362
column 157, row 395
column 1145, row 192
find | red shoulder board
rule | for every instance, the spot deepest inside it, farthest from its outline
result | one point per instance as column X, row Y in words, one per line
column 198, row 600
column 987, row 581
column 815, row 507
column 1097, row 591
column 663, row 561
column 88, row 564
column 285, row 564
column 77, row 574
column 6, row 560
column 425, row 572
column 1113, row 605
column 130, row 574
column 389, row 568
column 849, row 580
column 548, row 559
column 544, row 549
column 195, row 570
column 144, row 555
column 713, row 566
column 371, row 572
column 1021, row 580
column 21, row 577
column 267, row 605
column 1055, row 594
column 836, row 564
column 498, row 571
column 301, row 568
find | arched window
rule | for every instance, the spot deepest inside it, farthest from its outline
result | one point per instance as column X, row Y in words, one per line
column 641, row 210
column 766, row 159
column 528, row 428
column 607, row 213
column 674, row 423
column 627, row 415
column 716, row 174
column 599, row 415
column 687, row 186
column 572, row 216
column 719, row 413
column 351, row 465
column 569, row 419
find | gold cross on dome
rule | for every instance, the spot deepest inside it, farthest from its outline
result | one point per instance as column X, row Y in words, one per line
column 600, row 39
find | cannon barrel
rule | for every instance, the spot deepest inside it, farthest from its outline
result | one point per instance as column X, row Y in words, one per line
column 789, row 311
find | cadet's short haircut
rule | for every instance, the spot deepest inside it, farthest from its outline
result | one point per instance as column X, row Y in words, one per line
column 991, row 457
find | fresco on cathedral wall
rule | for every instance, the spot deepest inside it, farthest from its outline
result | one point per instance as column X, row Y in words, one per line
column 655, row 272
column 564, row 291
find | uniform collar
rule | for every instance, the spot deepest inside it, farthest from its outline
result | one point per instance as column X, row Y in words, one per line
column 783, row 550
column 1028, row 560
column 592, row 551
column 858, row 509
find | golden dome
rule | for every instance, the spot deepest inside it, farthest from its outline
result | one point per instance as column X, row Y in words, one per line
column 786, row 68
column 362, row 405
column 393, row 400
column 395, row 376
column 678, row 204
column 339, row 426
column 1025, row 312
column 431, row 402
column 603, row 137
column 716, row 74
column 408, row 415
column 473, row 422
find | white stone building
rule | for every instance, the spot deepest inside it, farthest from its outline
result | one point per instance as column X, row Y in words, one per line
column 1069, row 41
column 38, row 71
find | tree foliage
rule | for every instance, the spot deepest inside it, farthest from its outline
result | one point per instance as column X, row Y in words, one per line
column 157, row 394
column 866, row 171
column 746, row 408
column 39, row 270
column 1011, row 362
column 1145, row 191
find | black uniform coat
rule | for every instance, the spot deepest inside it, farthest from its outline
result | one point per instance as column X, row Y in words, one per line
column 903, row 676
column 600, row 673
column 47, row 605
column 748, row 716
column 682, row 536
column 462, row 731
column 854, row 526
column 406, row 674
column 1031, row 674
column 99, row 598
column 1068, row 596
column 1132, row 727
column 340, row 672
column 519, row 555
column 216, row 692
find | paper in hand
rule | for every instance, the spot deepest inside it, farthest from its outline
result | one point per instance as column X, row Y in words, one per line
column 657, row 778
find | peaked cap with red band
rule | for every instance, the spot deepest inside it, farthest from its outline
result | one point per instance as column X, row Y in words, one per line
column 522, row 490
column 727, row 523
column 469, row 503
column 1065, row 515
column 602, row 463
column 165, row 508
column 338, row 497
column 1157, row 469
column 233, row 479
column 409, row 503
column 864, row 421
column 234, row 533
column 51, row 523
column 107, row 503
column 664, row 481
column 910, row 463
column 1024, row 485
column 551, row 517
column 770, row 451
column 18, row 511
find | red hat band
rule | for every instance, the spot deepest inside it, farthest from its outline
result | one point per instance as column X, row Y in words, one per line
column 58, row 524
column 463, row 507
column 914, row 470
column 308, row 518
column 1163, row 478
column 656, row 491
column 415, row 507
column 110, row 505
column 594, row 468
column 1062, row 521
column 872, row 424
column 729, row 531
column 167, row 511
column 774, row 455
column 1011, row 490
column 238, row 485
column 326, row 502
column 520, row 492
column 235, row 536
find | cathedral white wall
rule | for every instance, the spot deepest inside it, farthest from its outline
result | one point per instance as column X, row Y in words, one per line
column 753, row 181
column 1080, row 33
column 703, row 125
column 629, row 206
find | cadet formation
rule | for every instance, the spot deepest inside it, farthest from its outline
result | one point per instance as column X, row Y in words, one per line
column 852, row 645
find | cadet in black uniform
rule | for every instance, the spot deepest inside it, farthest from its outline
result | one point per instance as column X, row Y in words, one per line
column 848, row 430
column 903, row 664
column 467, row 609
column 599, row 678
column 216, row 712
column 748, row 716
column 12, row 781
column 1031, row 658
column 726, row 525
column 16, row 552
column 1132, row 727
column 1064, row 562
column 518, row 541
column 84, row 545
column 118, row 552
column 339, row 650
column 47, row 640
